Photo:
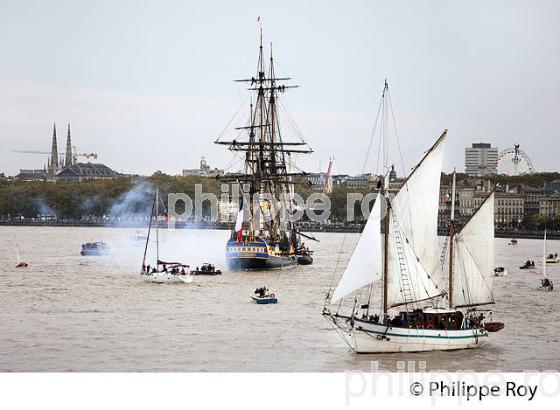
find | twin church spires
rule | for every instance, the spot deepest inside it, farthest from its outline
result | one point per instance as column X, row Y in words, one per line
column 55, row 164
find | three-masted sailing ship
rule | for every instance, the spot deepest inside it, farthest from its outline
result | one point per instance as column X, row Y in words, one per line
column 416, row 308
column 264, row 236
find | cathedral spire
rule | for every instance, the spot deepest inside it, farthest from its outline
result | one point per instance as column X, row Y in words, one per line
column 68, row 160
column 53, row 164
column 54, row 149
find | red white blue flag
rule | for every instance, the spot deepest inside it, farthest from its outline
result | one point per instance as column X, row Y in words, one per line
column 239, row 221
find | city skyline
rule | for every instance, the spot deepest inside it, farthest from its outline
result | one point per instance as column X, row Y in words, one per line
column 155, row 99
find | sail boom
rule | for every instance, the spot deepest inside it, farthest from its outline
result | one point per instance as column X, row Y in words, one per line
column 474, row 304
column 417, row 301
column 258, row 80
column 250, row 149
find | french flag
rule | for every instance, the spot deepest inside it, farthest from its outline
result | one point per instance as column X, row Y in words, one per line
column 239, row 222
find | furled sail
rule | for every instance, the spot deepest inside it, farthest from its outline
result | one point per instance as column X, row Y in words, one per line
column 408, row 280
column 365, row 264
column 416, row 206
column 474, row 258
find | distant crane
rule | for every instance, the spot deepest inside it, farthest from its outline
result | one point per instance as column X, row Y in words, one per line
column 75, row 153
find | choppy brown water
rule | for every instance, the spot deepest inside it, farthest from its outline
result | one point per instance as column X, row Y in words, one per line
column 72, row 313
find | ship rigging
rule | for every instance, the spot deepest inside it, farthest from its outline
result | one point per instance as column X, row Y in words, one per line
column 268, row 237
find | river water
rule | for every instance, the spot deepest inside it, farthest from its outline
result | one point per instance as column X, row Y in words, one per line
column 68, row 312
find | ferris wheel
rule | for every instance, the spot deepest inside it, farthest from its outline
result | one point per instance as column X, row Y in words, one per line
column 514, row 161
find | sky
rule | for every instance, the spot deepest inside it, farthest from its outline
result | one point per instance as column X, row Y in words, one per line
column 148, row 85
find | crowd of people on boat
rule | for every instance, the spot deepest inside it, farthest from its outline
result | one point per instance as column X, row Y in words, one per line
column 175, row 270
column 206, row 268
column 547, row 283
column 452, row 321
column 261, row 292
column 528, row 264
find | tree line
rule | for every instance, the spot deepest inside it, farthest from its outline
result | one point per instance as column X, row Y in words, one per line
column 75, row 200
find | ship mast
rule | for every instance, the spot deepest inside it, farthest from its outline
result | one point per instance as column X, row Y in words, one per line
column 157, row 226
column 384, row 192
column 451, row 239
column 265, row 151
column 386, row 253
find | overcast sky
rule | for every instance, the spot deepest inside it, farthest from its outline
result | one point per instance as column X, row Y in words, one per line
column 148, row 85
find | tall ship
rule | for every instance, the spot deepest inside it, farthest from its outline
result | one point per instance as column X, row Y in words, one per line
column 264, row 236
column 401, row 290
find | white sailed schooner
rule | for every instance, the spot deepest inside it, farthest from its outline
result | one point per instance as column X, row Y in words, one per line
column 417, row 313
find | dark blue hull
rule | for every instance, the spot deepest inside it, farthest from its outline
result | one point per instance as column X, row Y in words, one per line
column 255, row 255
column 265, row 300
column 271, row 262
column 94, row 252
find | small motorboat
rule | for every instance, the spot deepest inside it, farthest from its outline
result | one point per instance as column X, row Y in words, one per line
column 22, row 265
column 552, row 258
column 95, row 249
column 493, row 326
column 528, row 265
column 512, row 242
column 261, row 297
column 304, row 256
column 206, row 269
column 500, row 271
column 305, row 260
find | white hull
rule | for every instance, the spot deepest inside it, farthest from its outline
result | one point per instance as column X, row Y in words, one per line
column 167, row 278
column 366, row 337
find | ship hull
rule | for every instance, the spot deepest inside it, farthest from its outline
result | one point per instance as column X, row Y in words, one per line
column 255, row 255
column 87, row 252
column 162, row 277
column 367, row 337
column 257, row 263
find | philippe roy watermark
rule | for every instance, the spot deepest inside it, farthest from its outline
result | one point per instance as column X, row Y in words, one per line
column 262, row 207
column 413, row 380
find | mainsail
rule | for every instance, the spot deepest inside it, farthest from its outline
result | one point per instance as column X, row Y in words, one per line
column 365, row 264
column 416, row 206
column 414, row 266
column 474, row 258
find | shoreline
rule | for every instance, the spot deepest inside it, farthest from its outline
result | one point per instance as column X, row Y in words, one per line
column 228, row 226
